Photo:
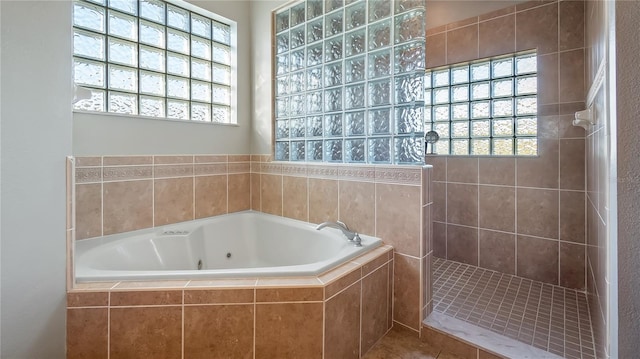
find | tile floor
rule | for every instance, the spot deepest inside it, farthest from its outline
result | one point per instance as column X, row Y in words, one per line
column 548, row 317
column 402, row 343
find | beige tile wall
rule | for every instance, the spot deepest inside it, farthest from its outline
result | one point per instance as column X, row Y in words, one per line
column 125, row 193
column 390, row 202
column 523, row 216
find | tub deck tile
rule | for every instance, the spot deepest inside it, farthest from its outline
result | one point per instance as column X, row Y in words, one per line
column 166, row 284
column 224, row 283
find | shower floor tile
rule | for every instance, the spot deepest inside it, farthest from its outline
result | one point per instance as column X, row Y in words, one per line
column 545, row 316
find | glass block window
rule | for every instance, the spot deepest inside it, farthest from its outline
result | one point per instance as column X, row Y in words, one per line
column 349, row 81
column 487, row 107
column 153, row 58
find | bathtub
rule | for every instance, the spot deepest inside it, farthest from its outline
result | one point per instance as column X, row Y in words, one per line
column 243, row 244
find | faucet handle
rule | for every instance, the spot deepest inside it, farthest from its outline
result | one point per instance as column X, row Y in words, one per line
column 357, row 241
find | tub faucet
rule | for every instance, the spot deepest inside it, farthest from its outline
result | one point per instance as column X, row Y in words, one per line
column 351, row 236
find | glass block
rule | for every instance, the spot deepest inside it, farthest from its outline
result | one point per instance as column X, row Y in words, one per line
column 379, row 150
column 86, row 72
column 314, row 8
column 427, row 79
column 441, row 95
column 297, row 83
column 128, row 6
column 480, row 91
column 88, row 16
column 379, row 9
column 460, row 147
column 409, row 57
column 354, row 96
column 379, row 34
column 527, row 126
column 298, row 37
column 282, row 129
column 480, row 71
column 333, row 74
column 355, row 150
column 315, row 30
column 95, row 103
column 297, row 150
column 333, row 150
column 282, row 20
column 502, row 128
column 178, row 109
column 526, row 64
column 152, row 58
column 441, row 78
column 460, row 111
column 460, row 75
column 333, row 125
column 502, row 67
column 282, row 42
column 460, row 93
column 480, row 109
column 201, row 70
column 355, row 16
column 201, row 91
column 177, row 18
column 314, row 54
column 441, row 113
column 354, row 123
column 314, row 102
column 480, row 128
column 123, row 78
column 200, row 112
column 502, row 146
column 178, row 41
column 178, row 64
column 442, row 147
column 480, row 147
column 123, row 26
column 333, row 49
column 460, row 129
column 406, row 5
column 409, row 88
column 282, row 85
column 152, row 34
column 297, row 60
column 297, row 105
column 526, row 85
column 442, row 128
column 123, row 52
column 221, row 54
column 220, row 114
column 331, row 5
column 314, row 79
column 355, row 69
column 314, row 150
column 333, row 100
column 200, row 26
column 427, row 114
column 526, row 106
column 356, row 42
column 379, row 63
column 88, row 44
column 380, row 93
column 333, row 24
column 428, row 97
column 380, row 121
column 527, row 146
column 221, row 74
column 298, row 15
column 297, row 128
column 282, row 64
column 282, row 151
column 200, row 48
column 409, row 149
column 152, row 83
column 409, row 119
column 502, row 88
column 314, row 126
column 152, row 10
column 502, row 108
column 282, row 107
column 409, row 26
column 177, row 87
column 123, row 103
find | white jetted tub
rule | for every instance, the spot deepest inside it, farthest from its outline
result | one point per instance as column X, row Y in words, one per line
column 243, row 244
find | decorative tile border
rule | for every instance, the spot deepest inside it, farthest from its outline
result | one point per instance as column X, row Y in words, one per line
column 88, row 175
column 210, row 169
column 166, row 171
column 110, row 174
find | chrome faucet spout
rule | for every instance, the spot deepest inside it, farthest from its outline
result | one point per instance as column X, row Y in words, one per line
column 351, row 236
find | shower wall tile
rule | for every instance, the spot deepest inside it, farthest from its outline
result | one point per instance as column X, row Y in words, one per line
column 537, row 259
column 342, row 323
column 239, row 195
column 88, row 210
column 210, row 196
column 87, row 341
column 462, row 44
column 357, row 206
column 545, row 193
column 406, row 301
column 398, row 217
column 294, row 199
column 323, row 200
column 271, row 194
column 173, row 200
column 375, row 306
column 571, row 268
column 127, row 206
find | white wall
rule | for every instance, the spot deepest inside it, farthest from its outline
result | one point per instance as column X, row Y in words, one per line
column 36, row 137
column 95, row 134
